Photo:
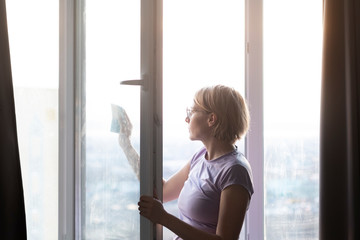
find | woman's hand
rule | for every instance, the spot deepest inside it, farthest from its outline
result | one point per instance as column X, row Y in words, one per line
column 152, row 209
column 122, row 125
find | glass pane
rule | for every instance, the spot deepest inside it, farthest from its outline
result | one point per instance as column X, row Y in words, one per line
column 34, row 47
column 199, row 50
column 110, row 188
column 292, row 75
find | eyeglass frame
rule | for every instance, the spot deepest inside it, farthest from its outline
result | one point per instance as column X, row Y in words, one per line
column 190, row 111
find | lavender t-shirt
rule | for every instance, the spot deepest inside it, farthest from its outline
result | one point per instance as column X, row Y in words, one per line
column 200, row 197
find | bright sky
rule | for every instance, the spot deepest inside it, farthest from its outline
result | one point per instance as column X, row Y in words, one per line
column 34, row 42
column 203, row 45
column 292, row 66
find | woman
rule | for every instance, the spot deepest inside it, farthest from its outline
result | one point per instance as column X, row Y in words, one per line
column 215, row 187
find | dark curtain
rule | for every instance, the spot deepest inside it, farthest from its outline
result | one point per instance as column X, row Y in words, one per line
column 340, row 118
column 12, row 210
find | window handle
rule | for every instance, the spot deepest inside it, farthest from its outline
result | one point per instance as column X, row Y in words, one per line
column 133, row 82
column 138, row 82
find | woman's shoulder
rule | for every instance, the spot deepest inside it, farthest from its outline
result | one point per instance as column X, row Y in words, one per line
column 243, row 162
column 235, row 158
column 237, row 170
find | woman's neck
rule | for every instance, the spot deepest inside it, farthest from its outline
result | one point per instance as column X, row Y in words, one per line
column 216, row 148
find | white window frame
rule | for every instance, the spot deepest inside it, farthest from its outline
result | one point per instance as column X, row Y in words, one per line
column 70, row 117
column 71, row 56
column 254, row 144
column 66, row 230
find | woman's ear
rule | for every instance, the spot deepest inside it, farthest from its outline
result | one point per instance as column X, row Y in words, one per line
column 212, row 119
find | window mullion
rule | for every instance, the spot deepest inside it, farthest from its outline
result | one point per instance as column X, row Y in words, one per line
column 150, row 129
column 254, row 95
column 66, row 121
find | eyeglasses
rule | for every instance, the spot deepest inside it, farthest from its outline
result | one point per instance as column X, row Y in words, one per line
column 189, row 112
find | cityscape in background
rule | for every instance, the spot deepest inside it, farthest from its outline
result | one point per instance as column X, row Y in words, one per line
column 37, row 129
column 291, row 183
column 112, row 190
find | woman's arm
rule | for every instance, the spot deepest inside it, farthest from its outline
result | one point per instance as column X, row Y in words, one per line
column 153, row 210
column 130, row 153
column 172, row 187
column 233, row 204
column 121, row 124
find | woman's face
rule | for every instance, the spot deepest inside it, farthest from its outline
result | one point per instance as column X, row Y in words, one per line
column 198, row 125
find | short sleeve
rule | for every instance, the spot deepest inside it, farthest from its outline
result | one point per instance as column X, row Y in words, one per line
column 237, row 174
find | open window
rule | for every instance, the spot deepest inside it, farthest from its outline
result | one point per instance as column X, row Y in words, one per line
column 174, row 47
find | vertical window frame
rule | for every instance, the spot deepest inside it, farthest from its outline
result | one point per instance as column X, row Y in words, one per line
column 71, row 100
column 67, row 69
column 151, row 109
column 254, row 144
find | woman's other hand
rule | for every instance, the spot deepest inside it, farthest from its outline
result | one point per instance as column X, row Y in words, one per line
column 125, row 127
column 152, row 209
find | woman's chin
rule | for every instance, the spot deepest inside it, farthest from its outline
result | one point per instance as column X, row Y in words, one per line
column 192, row 138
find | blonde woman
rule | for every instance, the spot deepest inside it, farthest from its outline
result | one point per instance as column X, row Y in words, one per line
column 215, row 187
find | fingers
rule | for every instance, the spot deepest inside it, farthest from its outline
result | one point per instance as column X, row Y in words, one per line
column 151, row 208
column 145, row 206
column 155, row 194
column 145, row 203
column 145, row 198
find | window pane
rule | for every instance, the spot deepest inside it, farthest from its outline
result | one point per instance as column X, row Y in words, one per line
column 203, row 45
column 292, row 75
column 34, row 46
column 109, row 187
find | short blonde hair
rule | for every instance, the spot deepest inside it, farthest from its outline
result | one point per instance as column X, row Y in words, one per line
column 230, row 108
